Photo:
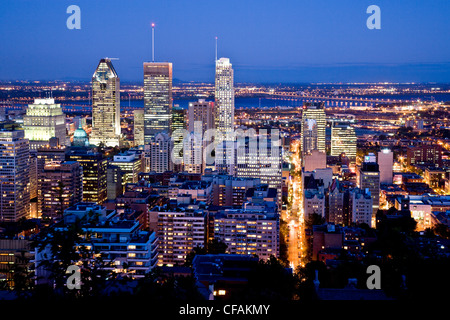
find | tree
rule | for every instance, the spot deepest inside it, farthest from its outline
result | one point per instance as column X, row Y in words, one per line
column 314, row 219
column 268, row 280
column 442, row 230
column 62, row 247
column 155, row 286
column 284, row 233
column 214, row 246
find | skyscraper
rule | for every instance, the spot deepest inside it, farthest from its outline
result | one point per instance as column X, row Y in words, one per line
column 361, row 205
column 94, row 174
column 60, row 186
column 309, row 137
column 178, row 118
column 50, row 153
column 231, row 225
column 180, row 229
column 160, row 153
column 386, row 164
column 114, row 177
column 224, row 97
column 193, row 153
column 260, row 157
column 201, row 114
column 315, row 160
column 14, row 176
column 179, row 125
column 44, row 119
column 157, row 98
column 105, row 105
column 314, row 122
column 138, row 127
column 343, row 139
column 130, row 164
column 33, row 176
column 368, row 177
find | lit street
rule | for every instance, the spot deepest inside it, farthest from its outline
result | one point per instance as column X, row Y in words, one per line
column 295, row 212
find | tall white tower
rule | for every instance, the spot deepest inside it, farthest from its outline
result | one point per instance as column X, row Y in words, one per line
column 224, row 97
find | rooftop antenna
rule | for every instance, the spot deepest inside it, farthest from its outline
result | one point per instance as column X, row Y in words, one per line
column 153, row 42
column 216, row 48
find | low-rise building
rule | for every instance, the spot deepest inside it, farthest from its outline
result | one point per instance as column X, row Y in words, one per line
column 199, row 190
column 326, row 237
column 124, row 246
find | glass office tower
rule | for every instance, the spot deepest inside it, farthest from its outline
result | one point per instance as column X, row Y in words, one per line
column 157, row 99
column 105, row 105
column 313, row 113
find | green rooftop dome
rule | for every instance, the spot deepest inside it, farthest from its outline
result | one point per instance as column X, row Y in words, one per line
column 80, row 137
column 80, row 133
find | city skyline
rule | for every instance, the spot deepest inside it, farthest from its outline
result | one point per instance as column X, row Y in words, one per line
column 224, row 189
column 267, row 42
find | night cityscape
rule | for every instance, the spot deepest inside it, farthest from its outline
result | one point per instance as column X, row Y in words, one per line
column 224, row 159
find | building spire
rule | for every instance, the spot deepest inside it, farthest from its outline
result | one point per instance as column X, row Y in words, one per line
column 216, row 49
column 153, row 42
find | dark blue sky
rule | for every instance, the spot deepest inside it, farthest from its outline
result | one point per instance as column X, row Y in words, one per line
column 267, row 41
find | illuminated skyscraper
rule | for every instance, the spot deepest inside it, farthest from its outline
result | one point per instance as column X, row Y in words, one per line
column 60, row 186
column 178, row 118
column 51, row 153
column 94, row 174
column 130, row 164
column 157, row 98
column 368, row 177
column 343, row 139
column 14, row 176
column 386, row 164
column 259, row 157
column 105, row 105
column 160, row 153
column 193, row 153
column 224, row 97
column 314, row 122
column 44, row 119
column 309, row 137
column 201, row 114
column 138, row 126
